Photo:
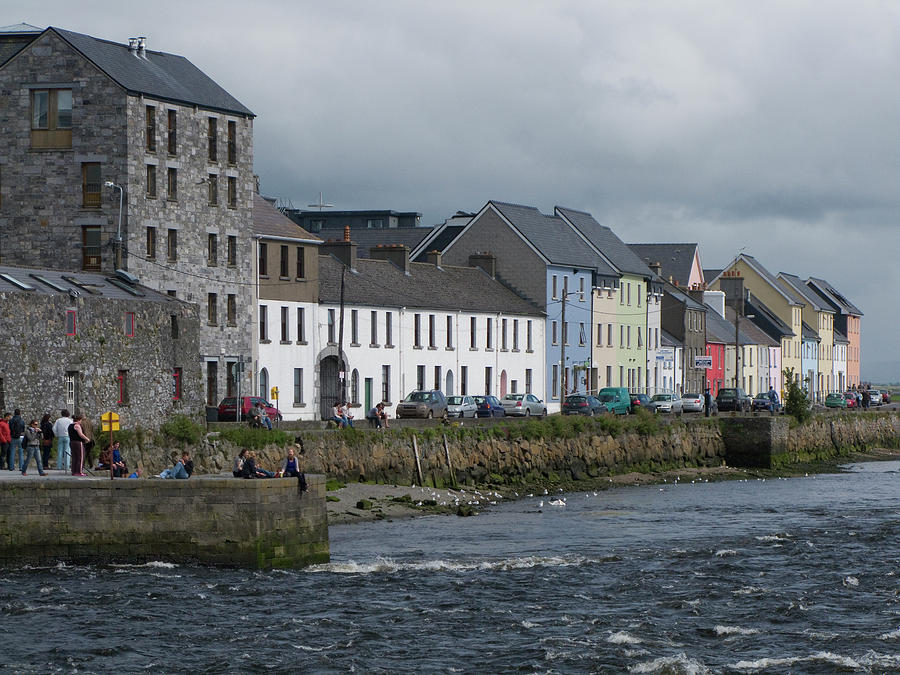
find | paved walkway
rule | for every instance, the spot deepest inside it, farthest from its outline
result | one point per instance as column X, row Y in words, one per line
column 6, row 475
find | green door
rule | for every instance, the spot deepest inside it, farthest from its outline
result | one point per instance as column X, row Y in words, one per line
column 368, row 395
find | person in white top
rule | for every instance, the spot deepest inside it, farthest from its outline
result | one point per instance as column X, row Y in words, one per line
column 61, row 431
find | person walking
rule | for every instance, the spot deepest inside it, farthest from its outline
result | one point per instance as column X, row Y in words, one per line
column 4, row 439
column 33, row 437
column 77, row 439
column 46, row 440
column 63, row 448
column 17, row 435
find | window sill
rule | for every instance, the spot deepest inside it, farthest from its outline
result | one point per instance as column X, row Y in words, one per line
column 302, row 342
column 389, row 346
column 232, row 206
column 432, row 349
column 504, row 350
column 354, row 344
column 284, row 278
column 174, row 200
column 373, row 345
column 529, row 351
column 213, row 204
column 211, row 264
column 285, row 342
column 263, row 276
column 515, row 351
column 149, row 196
column 331, row 344
column 449, row 349
column 473, row 349
column 265, row 341
column 212, row 323
column 231, row 324
column 300, row 279
column 488, row 349
column 298, row 405
column 417, row 346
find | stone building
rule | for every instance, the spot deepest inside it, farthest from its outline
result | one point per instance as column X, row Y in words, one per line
column 96, row 343
column 116, row 156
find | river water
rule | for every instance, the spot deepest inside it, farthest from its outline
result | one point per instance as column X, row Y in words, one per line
column 784, row 575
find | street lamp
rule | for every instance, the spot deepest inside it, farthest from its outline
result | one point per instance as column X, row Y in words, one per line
column 118, row 239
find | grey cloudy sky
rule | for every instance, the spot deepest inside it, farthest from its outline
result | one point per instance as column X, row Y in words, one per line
column 770, row 125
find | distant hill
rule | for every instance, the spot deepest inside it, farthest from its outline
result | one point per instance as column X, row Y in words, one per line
column 883, row 372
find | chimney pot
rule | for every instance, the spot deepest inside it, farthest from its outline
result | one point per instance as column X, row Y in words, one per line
column 434, row 257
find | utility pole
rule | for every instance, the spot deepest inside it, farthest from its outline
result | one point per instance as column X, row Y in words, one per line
column 562, row 342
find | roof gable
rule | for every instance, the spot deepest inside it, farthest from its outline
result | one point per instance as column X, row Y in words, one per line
column 270, row 222
column 605, row 241
column 677, row 260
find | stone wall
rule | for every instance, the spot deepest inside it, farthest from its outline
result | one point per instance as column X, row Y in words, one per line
column 219, row 521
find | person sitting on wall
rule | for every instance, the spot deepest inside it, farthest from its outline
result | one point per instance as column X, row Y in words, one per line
column 180, row 469
column 260, row 411
column 337, row 415
column 344, row 410
column 290, row 467
column 238, row 469
column 112, row 456
column 250, row 468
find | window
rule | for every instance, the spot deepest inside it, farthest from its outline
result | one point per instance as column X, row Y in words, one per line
column 212, row 301
column 388, row 326
column 417, row 332
column 232, row 192
column 640, row 340
column 503, row 335
column 628, row 338
column 553, row 338
column 70, row 322
column 212, row 139
column 599, row 334
column 263, row 323
column 621, row 335
column 123, row 387
column 172, row 245
column 582, row 335
column 173, row 132
column 176, row 384
column 488, row 380
column 420, row 377
column 51, row 118
column 263, row 260
column 489, row 338
column 565, row 332
column 151, row 128
column 354, row 326
column 640, row 292
column 231, row 310
column 212, row 383
column 609, row 335
column 515, row 335
column 212, row 183
column 555, row 294
column 473, row 330
column 528, row 335
column 449, row 332
column 283, row 263
column 301, row 267
column 212, row 249
column 90, row 248
column 331, row 339
column 151, row 243
column 464, row 380
column 431, row 334
column 386, row 384
column 90, row 185
column 301, row 325
column 232, row 250
column 285, row 331
column 373, row 329
column 173, row 323
column 437, row 377
column 232, row 142
column 172, row 184
column 298, row 386
column 151, row 181
column 608, row 376
column 554, row 391
column 264, row 383
column 129, row 324
column 581, row 289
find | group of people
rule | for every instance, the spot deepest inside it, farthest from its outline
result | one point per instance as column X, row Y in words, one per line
column 246, row 466
column 340, row 415
column 20, row 442
column 259, row 417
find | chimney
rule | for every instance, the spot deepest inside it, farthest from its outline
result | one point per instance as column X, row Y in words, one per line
column 733, row 287
column 343, row 250
column 346, row 233
column 434, row 258
column 486, row 261
column 398, row 254
column 716, row 300
column 656, row 268
column 133, row 45
column 142, row 46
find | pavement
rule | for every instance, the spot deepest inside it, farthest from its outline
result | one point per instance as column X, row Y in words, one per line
column 6, row 475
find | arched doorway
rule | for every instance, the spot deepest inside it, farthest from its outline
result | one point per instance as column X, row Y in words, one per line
column 448, row 389
column 264, row 384
column 329, row 385
column 502, row 383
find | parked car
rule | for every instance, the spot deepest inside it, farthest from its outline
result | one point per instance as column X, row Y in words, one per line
column 489, row 406
column 580, row 404
column 423, row 403
column 461, row 406
column 763, row 401
column 692, row 403
column 639, row 401
column 733, row 399
column 228, row 408
column 616, row 400
column 835, row 400
column 874, row 397
column 850, row 397
column 666, row 403
column 885, row 396
column 523, row 405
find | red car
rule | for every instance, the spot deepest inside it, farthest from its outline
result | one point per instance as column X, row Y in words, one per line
column 228, row 405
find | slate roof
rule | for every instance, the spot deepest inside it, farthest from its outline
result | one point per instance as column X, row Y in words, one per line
column 719, row 329
column 711, row 273
column 159, row 75
column 809, row 296
column 809, row 334
column 367, row 239
column 379, row 283
column 669, row 340
column 440, row 236
column 86, row 284
column 553, row 237
column 841, row 338
column 791, row 297
column 755, row 334
column 270, row 222
column 766, row 319
column 833, row 296
column 606, row 241
column 684, row 298
column 676, row 259
column 15, row 38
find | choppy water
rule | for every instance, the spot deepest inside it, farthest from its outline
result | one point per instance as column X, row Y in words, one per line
column 773, row 576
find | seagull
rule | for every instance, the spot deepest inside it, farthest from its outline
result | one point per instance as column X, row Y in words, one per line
column 558, row 502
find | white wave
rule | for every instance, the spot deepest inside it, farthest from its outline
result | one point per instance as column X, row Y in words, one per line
column 623, row 638
column 772, row 537
column 528, row 624
column 747, row 590
column 387, row 565
column 851, row 582
column 152, row 563
column 721, row 553
column 892, row 635
column 735, row 630
column 679, row 663
column 818, row 657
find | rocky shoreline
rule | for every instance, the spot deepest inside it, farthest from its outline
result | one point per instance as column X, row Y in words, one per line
column 368, row 502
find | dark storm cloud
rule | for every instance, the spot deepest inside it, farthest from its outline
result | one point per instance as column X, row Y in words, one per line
column 766, row 124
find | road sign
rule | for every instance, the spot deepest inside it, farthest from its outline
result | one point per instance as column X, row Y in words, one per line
column 665, row 354
column 703, row 362
column 109, row 421
column 274, row 393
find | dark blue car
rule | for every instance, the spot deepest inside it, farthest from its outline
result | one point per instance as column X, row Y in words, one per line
column 489, row 406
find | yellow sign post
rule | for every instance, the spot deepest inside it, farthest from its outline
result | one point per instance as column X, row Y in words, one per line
column 274, row 393
column 109, row 421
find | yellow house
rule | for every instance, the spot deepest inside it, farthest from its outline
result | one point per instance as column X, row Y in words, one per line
column 746, row 273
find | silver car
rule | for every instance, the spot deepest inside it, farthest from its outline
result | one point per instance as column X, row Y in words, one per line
column 667, row 403
column 461, row 406
column 692, row 402
column 524, row 405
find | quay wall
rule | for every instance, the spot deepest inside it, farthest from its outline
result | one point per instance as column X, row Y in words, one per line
column 259, row 524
